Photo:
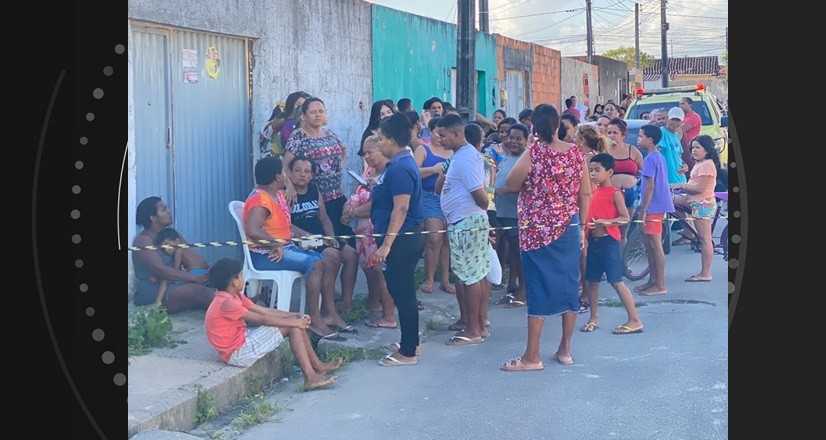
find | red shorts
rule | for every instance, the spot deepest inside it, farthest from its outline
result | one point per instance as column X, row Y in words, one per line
column 653, row 224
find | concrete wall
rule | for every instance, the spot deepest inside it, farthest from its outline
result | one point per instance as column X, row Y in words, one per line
column 413, row 57
column 547, row 74
column 319, row 46
column 610, row 71
column 572, row 83
column 513, row 55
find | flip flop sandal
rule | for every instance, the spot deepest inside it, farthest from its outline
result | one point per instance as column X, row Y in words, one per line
column 394, row 346
column 390, row 361
column 584, row 306
column 334, row 337
column 349, row 329
column 375, row 324
column 589, row 327
column 518, row 365
column 463, row 340
column 515, row 304
column 625, row 330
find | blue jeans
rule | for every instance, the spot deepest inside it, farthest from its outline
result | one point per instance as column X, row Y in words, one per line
column 295, row 259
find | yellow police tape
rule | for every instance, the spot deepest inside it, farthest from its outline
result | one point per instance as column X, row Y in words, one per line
column 298, row 240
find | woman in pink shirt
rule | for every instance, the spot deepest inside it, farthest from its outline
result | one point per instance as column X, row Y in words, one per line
column 699, row 197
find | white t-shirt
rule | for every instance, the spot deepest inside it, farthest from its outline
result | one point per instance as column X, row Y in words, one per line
column 582, row 110
column 465, row 175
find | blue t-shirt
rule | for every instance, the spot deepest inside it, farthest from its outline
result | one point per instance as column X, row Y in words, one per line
column 401, row 176
column 672, row 149
column 654, row 166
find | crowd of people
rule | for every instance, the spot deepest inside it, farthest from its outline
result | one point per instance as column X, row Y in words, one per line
column 549, row 195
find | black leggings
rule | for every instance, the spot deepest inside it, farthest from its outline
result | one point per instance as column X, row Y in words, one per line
column 335, row 208
column 400, row 276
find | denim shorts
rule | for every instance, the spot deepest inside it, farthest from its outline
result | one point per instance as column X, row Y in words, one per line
column 632, row 196
column 432, row 206
column 512, row 222
column 603, row 257
column 295, row 258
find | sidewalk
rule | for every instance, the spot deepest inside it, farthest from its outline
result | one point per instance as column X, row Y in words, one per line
column 163, row 385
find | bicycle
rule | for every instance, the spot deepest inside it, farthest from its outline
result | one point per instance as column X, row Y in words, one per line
column 683, row 214
column 634, row 255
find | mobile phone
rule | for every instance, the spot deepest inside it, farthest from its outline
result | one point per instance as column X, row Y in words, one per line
column 358, row 178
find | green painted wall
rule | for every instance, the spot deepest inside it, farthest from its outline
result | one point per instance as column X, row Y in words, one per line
column 413, row 57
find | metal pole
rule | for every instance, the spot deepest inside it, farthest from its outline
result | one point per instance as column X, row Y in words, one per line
column 484, row 15
column 664, row 41
column 466, row 60
column 589, row 32
column 637, row 35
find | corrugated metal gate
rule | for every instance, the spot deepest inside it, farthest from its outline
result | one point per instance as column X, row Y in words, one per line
column 515, row 87
column 192, row 129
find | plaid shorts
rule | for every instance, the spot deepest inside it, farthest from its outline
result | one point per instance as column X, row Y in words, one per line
column 260, row 341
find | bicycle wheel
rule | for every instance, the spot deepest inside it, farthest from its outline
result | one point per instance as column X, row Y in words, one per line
column 724, row 242
column 667, row 233
column 633, row 254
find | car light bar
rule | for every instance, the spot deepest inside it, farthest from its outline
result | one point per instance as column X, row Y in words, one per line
column 696, row 88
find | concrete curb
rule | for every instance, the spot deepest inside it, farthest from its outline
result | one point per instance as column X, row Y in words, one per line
column 163, row 385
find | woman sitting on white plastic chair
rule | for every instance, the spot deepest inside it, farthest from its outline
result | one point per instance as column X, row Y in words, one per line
column 266, row 216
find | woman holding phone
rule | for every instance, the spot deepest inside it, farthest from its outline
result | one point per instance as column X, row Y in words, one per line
column 357, row 214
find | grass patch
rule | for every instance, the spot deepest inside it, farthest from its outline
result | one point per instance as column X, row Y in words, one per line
column 617, row 303
column 357, row 310
column 257, row 385
column 350, row 354
column 257, row 411
column 420, row 277
column 432, row 325
column 205, row 406
column 150, row 327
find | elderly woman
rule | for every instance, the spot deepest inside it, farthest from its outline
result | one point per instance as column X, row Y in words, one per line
column 397, row 208
column 554, row 190
column 357, row 213
column 185, row 290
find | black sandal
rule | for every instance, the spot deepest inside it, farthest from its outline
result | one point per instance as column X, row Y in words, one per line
column 584, row 306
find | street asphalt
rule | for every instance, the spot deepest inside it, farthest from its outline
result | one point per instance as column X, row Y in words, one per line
column 669, row 382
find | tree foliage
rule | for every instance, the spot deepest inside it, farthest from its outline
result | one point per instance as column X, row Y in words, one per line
column 628, row 56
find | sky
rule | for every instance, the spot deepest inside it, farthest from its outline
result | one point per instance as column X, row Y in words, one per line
column 696, row 27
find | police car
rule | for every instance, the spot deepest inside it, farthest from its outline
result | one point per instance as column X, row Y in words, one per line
column 712, row 116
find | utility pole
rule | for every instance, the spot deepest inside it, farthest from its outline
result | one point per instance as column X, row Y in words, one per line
column 466, row 60
column 664, row 42
column 637, row 35
column 589, row 32
column 484, row 15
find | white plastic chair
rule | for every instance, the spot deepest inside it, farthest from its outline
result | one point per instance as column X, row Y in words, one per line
column 282, row 279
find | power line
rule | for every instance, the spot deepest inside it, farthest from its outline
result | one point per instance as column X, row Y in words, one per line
column 535, row 15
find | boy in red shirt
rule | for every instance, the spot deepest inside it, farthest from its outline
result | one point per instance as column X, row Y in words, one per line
column 226, row 327
column 606, row 210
